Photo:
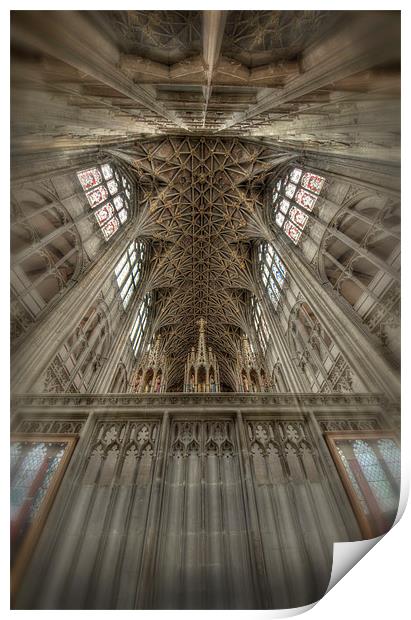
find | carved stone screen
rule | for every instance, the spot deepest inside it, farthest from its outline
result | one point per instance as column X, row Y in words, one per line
column 101, row 535
column 192, row 513
column 204, row 558
column 298, row 516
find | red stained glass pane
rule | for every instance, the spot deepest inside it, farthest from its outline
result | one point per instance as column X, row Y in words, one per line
column 89, row 178
column 104, row 213
column 298, row 217
column 312, row 182
column 306, row 200
column 97, row 196
column 292, row 231
column 110, row 228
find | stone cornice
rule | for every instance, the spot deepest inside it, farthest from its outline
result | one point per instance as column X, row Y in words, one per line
column 300, row 400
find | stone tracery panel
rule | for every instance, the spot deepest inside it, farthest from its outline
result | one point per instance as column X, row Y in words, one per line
column 323, row 365
column 298, row 516
column 103, row 532
column 203, row 551
column 360, row 257
column 198, row 513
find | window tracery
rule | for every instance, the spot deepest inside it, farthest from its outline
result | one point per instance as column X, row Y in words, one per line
column 273, row 272
column 140, row 324
column 128, row 271
column 108, row 193
column 259, row 324
column 294, row 198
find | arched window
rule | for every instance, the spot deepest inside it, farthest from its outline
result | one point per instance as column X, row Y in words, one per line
column 108, row 193
column 259, row 324
column 128, row 271
column 140, row 323
column 273, row 272
column 294, row 198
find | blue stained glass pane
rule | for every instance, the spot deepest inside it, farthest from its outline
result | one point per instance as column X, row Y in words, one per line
column 391, row 455
column 382, row 490
column 35, row 464
column 280, row 264
column 279, row 277
column 353, row 481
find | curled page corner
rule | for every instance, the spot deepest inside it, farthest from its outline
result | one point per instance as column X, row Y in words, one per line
column 346, row 555
column 283, row 613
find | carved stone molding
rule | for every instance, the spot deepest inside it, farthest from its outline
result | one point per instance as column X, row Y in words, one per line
column 232, row 400
column 55, row 427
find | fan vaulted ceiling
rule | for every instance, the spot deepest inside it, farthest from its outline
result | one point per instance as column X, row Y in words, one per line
column 200, row 202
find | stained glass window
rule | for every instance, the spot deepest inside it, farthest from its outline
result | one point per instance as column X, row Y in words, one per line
column 312, row 182
column 105, row 213
column 371, row 465
column 140, row 324
column 89, row 178
column 108, row 193
column 110, row 228
column 96, row 196
column 260, row 324
column 35, row 466
column 107, row 171
column 272, row 270
column 128, row 271
column 294, row 198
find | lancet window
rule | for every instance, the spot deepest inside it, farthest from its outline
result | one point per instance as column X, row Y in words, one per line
column 140, row 324
column 259, row 324
column 294, row 198
column 108, row 193
column 272, row 270
column 128, row 271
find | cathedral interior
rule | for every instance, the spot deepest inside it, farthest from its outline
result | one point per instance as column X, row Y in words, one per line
column 205, row 303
